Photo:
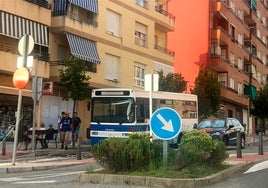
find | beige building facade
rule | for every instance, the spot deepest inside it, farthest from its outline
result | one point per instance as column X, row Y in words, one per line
column 120, row 41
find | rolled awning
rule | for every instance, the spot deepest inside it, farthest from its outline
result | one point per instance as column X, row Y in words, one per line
column 91, row 5
column 83, row 48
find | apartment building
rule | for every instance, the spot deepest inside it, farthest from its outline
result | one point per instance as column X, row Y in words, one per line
column 120, row 41
column 239, row 54
column 16, row 19
column 235, row 48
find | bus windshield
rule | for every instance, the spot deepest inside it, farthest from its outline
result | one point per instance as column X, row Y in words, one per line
column 113, row 110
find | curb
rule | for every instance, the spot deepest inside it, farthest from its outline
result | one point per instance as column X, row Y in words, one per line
column 148, row 181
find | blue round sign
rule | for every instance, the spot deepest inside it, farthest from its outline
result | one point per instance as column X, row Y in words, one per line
column 165, row 123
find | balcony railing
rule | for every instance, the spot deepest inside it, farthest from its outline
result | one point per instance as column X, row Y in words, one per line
column 76, row 17
column 41, row 3
column 170, row 52
column 164, row 12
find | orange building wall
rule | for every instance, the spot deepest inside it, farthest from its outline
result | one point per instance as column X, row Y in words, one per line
column 190, row 41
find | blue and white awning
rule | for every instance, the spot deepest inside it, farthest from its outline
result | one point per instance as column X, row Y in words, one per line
column 91, row 5
column 15, row 26
column 83, row 48
column 62, row 5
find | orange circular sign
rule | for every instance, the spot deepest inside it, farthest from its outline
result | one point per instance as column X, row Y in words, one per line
column 20, row 78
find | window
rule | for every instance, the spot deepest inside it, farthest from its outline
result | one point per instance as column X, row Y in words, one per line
column 140, row 34
column 111, row 67
column 233, row 32
column 240, row 64
column 113, row 23
column 231, row 84
column 240, row 89
column 240, row 40
column 223, row 79
column 142, row 3
column 139, row 74
column 232, row 59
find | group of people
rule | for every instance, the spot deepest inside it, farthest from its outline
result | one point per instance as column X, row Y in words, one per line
column 66, row 125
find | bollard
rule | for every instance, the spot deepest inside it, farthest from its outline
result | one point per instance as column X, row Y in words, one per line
column 78, row 152
column 238, row 143
column 4, row 147
column 260, row 143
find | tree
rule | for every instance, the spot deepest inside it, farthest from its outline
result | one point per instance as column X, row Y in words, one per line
column 260, row 103
column 172, row 82
column 207, row 88
column 74, row 79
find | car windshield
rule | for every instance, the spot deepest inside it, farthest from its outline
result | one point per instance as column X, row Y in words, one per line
column 218, row 123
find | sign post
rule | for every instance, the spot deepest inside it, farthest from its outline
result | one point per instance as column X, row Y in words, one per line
column 20, row 79
column 151, row 84
column 165, row 124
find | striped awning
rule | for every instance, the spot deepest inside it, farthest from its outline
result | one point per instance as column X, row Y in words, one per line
column 15, row 26
column 83, row 48
column 91, row 5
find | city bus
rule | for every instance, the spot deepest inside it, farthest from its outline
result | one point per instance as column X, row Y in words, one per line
column 118, row 112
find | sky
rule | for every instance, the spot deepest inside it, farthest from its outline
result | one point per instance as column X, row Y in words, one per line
column 190, row 41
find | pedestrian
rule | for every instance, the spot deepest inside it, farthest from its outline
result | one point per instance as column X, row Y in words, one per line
column 76, row 127
column 42, row 137
column 65, row 129
column 59, row 126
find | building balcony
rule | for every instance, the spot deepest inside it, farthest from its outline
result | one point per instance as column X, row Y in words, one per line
column 231, row 95
column 219, row 35
column 165, row 50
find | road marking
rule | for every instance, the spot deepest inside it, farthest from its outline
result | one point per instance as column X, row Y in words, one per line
column 34, row 182
column 257, row 167
column 37, row 178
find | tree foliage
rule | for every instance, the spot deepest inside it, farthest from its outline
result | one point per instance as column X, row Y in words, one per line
column 260, row 103
column 172, row 82
column 73, row 77
column 207, row 88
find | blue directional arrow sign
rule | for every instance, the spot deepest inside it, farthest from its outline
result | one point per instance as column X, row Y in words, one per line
column 165, row 123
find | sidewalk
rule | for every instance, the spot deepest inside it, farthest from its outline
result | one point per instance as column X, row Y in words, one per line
column 42, row 159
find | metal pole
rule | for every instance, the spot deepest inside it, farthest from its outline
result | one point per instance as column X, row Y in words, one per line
column 151, row 102
column 78, row 155
column 17, row 127
column 4, row 146
column 247, row 127
column 260, row 143
column 238, row 142
column 165, row 146
column 35, row 93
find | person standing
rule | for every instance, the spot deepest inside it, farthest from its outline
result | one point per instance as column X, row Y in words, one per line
column 65, row 129
column 76, row 127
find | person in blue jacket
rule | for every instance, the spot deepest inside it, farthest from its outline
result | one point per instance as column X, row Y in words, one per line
column 65, row 129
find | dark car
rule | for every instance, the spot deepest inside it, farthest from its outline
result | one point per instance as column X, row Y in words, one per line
column 2, row 135
column 224, row 129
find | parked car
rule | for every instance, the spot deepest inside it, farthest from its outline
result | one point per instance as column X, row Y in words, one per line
column 2, row 135
column 224, row 129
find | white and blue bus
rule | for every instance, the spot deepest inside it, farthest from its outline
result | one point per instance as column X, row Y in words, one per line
column 117, row 112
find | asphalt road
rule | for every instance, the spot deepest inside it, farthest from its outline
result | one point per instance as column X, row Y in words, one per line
column 255, row 176
column 60, row 178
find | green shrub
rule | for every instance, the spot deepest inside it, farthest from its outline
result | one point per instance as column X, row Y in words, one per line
column 218, row 153
column 120, row 154
column 195, row 148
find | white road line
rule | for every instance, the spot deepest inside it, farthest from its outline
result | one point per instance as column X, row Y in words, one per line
column 258, row 167
column 33, row 178
column 34, row 182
